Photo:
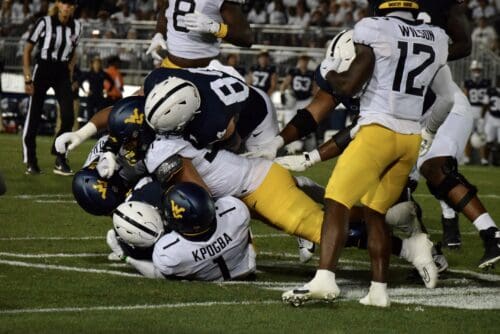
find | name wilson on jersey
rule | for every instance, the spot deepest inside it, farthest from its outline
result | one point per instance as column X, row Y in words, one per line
column 407, row 31
column 213, row 249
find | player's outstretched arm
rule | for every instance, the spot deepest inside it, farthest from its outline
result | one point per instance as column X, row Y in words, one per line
column 459, row 32
column 68, row 141
column 158, row 40
column 239, row 32
column 146, row 268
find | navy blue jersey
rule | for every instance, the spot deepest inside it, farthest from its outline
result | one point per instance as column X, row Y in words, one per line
column 222, row 98
column 494, row 101
column 302, row 83
column 352, row 104
column 151, row 193
column 476, row 91
column 438, row 10
column 241, row 70
column 261, row 77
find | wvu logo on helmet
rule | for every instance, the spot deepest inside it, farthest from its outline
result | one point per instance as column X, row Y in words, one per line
column 177, row 210
column 102, row 188
column 135, row 118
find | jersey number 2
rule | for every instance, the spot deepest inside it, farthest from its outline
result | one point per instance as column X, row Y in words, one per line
column 410, row 82
column 182, row 7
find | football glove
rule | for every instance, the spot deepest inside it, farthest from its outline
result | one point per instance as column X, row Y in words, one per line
column 113, row 243
column 267, row 150
column 106, row 165
column 158, row 42
column 68, row 141
column 199, row 22
column 327, row 65
column 425, row 145
column 299, row 163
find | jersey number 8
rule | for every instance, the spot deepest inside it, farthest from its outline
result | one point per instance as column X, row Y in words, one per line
column 182, row 7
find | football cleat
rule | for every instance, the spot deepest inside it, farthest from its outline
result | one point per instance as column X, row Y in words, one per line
column 418, row 251
column 322, row 287
column 491, row 241
column 377, row 296
column 32, row 169
column 451, row 233
column 306, row 250
column 61, row 166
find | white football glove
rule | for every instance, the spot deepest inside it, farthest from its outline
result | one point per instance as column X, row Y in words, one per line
column 267, row 150
column 427, row 139
column 106, row 165
column 112, row 242
column 299, row 163
column 199, row 22
column 327, row 65
column 158, row 42
column 68, row 141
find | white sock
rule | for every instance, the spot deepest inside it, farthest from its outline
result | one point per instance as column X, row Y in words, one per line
column 324, row 275
column 378, row 286
column 448, row 213
column 484, row 222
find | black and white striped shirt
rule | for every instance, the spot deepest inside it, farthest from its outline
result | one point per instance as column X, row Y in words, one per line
column 56, row 42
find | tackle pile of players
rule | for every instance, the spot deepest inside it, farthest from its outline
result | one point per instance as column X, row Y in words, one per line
column 186, row 164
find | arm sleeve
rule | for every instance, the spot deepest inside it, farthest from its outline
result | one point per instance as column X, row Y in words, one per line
column 146, row 268
column 37, row 31
column 366, row 31
column 444, row 99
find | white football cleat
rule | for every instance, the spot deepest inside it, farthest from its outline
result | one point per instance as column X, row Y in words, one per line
column 418, row 251
column 377, row 296
column 321, row 287
column 306, row 250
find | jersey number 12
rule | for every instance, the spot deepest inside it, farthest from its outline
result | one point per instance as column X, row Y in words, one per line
column 410, row 81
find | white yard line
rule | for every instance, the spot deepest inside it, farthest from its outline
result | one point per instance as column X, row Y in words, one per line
column 37, row 256
column 37, row 196
column 138, row 307
column 55, row 201
column 480, row 195
column 67, row 268
column 51, row 238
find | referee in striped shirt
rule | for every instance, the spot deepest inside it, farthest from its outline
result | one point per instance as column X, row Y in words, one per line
column 57, row 37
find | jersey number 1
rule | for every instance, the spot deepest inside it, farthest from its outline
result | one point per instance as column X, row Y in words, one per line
column 410, row 82
column 182, row 7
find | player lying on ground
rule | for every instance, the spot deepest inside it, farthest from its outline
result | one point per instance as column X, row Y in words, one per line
column 200, row 239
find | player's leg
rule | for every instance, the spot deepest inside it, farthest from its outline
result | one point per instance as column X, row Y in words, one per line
column 285, row 206
column 439, row 166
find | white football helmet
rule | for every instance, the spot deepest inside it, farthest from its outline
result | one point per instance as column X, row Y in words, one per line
column 342, row 47
column 477, row 140
column 171, row 104
column 138, row 224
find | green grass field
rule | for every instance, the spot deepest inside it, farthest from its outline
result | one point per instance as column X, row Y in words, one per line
column 55, row 276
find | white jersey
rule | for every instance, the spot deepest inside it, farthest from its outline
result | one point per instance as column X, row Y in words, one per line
column 228, row 254
column 407, row 56
column 96, row 151
column 225, row 173
column 186, row 44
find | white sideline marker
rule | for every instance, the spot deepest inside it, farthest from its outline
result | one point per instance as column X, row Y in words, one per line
column 37, row 256
column 137, row 307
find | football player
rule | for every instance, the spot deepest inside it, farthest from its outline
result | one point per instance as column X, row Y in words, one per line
column 492, row 119
column 401, row 65
column 476, row 89
column 263, row 75
column 209, row 240
column 193, row 30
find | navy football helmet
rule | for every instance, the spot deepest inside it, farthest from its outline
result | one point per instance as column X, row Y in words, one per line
column 95, row 195
column 190, row 210
column 126, row 120
column 383, row 7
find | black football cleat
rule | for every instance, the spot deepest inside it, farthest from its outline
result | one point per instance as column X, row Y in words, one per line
column 451, row 233
column 61, row 166
column 32, row 169
column 491, row 242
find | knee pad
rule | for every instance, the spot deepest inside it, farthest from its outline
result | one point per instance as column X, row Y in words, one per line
column 452, row 179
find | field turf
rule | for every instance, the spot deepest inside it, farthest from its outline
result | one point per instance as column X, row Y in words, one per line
column 55, row 276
